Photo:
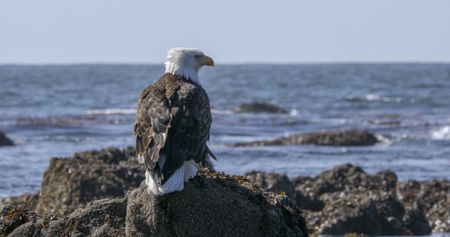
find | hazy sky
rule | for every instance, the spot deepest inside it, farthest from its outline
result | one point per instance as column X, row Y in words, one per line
column 58, row 31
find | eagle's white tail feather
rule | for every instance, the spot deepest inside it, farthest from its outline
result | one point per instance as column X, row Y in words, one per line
column 190, row 170
column 175, row 182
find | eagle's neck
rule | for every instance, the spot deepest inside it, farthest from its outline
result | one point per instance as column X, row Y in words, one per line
column 189, row 73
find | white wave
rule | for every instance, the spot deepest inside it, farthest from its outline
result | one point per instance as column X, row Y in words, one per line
column 384, row 140
column 111, row 111
column 441, row 134
column 374, row 98
column 293, row 112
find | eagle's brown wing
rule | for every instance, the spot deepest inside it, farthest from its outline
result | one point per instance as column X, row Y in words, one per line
column 190, row 129
column 153, row 119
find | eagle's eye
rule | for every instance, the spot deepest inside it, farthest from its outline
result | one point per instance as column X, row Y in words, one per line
column 197, row 56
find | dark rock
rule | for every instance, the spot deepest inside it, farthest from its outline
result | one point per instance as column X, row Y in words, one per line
column 12, row 217
column 346, row 177
column 373, row 213
column 385, row 180
column 4, row 140
column 100, row 218
column 415, row 221
column 308, row 201
column 76, row 120
column 429, row 197
column 342, row 200
column 259, row 107
column 272, row 182
column 331, row 138
column 347, row 200
column 70, row 183
column 26, row 201
column 213, row 204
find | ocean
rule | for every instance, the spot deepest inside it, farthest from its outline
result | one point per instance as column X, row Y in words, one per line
column 57, row 110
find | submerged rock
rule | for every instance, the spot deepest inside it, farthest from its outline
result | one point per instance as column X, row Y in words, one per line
column 331, row 138
column 70, row 183
column 260, row 107
column 4, row 140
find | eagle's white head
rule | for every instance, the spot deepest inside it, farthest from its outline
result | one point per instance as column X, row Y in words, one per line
column 187, row 62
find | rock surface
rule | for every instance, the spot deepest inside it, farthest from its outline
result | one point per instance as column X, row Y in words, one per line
column 212, row 204
column 339, row 201
column 27, row 201
column 429, row 197
column 330, row 138
column 70, row 183
column 4, row 140
column 260, row 107
column 347, row 200
column 272, row 182
column 100, row 218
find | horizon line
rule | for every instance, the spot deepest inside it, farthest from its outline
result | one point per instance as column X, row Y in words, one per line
column 222, row 63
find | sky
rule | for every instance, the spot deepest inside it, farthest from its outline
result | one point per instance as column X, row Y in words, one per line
column 232, row 31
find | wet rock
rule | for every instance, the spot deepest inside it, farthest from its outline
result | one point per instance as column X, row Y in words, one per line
column 429, row 197
column 308, row 201
column 346, row 200
column 100, row 218
column 272, row 182
column 373, row 213
column 416, row 222
column 70, row 183
column 213, row 204
column 331, row 138
column 260, row 107
column 76, row 120
column 346, row 177
column 12, row 217
column 26, row 201
column 4, row 140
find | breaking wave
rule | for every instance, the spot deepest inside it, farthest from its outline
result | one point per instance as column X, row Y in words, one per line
column 374, row 98
column 442, row 133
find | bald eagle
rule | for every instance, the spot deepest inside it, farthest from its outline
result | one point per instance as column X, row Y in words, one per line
column 173, row 123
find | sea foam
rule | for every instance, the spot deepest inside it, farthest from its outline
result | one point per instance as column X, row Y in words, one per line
column 442, row 133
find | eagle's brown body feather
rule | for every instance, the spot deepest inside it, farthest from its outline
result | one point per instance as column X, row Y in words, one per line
column 173, row 118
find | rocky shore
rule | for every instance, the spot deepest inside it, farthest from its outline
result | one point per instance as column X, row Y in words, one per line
column 100, row 193
column 347, row 200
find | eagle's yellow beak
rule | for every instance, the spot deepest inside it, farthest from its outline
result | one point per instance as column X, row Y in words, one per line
column 206, row 61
